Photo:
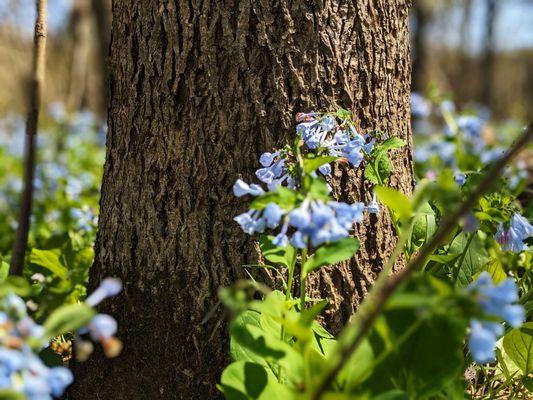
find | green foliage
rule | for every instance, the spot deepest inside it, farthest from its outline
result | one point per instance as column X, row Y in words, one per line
column 518, row 344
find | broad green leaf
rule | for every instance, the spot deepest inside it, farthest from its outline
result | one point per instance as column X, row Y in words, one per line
column 275, row 254
column 495, row 269
column 6, row 394
column 273, row 351
column 370, row 175
column 424, row 225
column 383, row 166
column 475, row 256
column 50, row 260
column 243, row 380
column 359, row 366
column 444, row 259
column 330, row 254
column 395, row 200
column 392, row 143
column 342, row 113
column 68, row 318
column 518, row 344
column 242, row 353
column 424, row 362
column 312, row 163
column 15, row 284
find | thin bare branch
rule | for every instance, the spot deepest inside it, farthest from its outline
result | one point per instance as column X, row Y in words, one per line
column 30, row 140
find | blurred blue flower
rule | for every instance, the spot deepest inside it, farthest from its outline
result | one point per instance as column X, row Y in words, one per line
column 496, row 301
column 420, row 107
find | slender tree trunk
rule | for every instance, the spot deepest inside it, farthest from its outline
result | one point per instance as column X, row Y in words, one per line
column 488, row 60
column 30, row 138
column 199, row 90
column 81, row 46
column 102, row 18
column 421, row 17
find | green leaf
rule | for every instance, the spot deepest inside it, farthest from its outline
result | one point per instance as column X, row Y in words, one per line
column 342, row 113
column 68, row 318
column 15, row 284
column 7, row 394
column 288, row 198
column 426, row 361
column 518, row 344
column 331, row 253
column 4, row 270
column 392, row 143
column 383, row 166
column 495, row 269
column 243, row 380
column 359, row 366
column 49, row 259
column 475, row 256
column 312, row 162
column 398, row 202
column 370, row 175
column 271, row 351
column 276, row 254
column 260, row 202
column 318, row 188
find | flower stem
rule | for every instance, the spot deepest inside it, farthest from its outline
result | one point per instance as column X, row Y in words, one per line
column 303, row 281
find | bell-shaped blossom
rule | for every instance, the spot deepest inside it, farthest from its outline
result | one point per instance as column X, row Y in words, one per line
column 512, row 239
column 241, row 188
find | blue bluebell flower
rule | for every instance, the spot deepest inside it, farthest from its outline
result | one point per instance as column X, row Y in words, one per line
column 273, row 214
column 102, row 326
column 241, row 188
column 373, row 206
column 512, row 239
column 14, row 306
column 59, row 378
column 496, row 301
column 482, row 342
column 325, row 169
column 251, row 222
column 460, row 178
column 109, row 287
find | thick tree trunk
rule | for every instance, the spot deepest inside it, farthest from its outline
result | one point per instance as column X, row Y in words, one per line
column 199, row 90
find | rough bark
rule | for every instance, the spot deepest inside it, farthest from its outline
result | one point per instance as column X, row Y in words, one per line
column 198, row 90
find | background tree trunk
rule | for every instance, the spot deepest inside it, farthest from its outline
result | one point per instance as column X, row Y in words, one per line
column 422, row 16
column 198, row 90
column 488, row 59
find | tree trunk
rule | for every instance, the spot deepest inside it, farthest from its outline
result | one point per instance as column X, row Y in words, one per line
column 198, row 90
column 488, row 60
column 421, row 15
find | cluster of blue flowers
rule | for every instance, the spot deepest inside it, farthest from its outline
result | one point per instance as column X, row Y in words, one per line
column 464, row 130
column 313, row 222
column 21, row 339
column 497, row 301
column 21, row 369
column 512, row 239
column 336, row 140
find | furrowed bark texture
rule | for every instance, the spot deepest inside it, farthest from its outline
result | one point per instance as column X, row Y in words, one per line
column 199, row 90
